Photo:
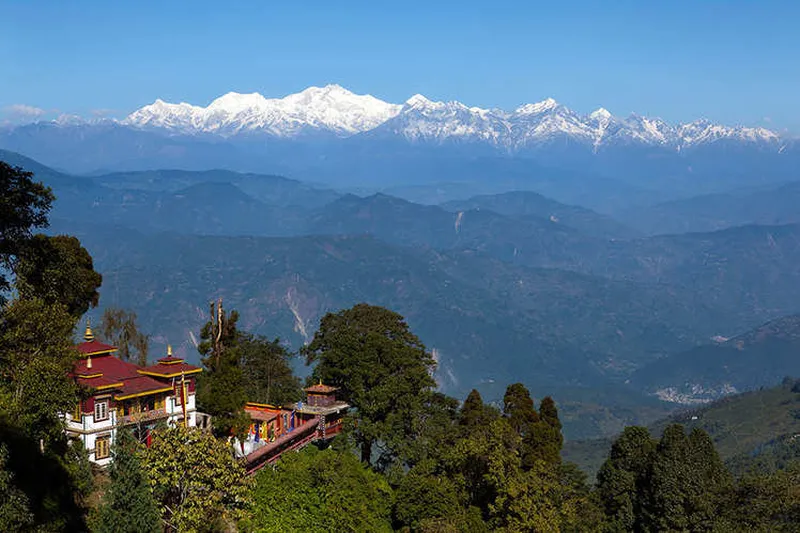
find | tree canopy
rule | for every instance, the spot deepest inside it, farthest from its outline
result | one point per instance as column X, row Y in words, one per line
column 381, row 367
column 118, row 327
column 24, row 206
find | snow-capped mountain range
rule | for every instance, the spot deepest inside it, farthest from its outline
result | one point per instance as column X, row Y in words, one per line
column 334, row 110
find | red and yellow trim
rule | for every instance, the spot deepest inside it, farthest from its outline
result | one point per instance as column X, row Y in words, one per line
column 144, row 393
column 109, row 386
column 172, row 375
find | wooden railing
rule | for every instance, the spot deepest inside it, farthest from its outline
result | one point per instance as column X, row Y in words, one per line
column 143, row 416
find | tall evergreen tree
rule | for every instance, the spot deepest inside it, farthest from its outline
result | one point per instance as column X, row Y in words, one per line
column 622, row 478
column 544, row 440
column 518, row 408
column 220, row 389
column 267, row 371
column 128, row 504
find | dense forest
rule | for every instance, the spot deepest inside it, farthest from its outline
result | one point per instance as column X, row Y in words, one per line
column 410, row 459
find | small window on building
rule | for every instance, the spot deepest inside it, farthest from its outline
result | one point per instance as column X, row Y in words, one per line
column 76, row 413
column 102, row 447
column 101, row 410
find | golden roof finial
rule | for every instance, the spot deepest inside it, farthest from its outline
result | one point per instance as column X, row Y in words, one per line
column 169, row 350
column 88, row 336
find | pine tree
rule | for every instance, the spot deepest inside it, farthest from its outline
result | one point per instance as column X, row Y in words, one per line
column 518, row 408
column 621, row 479
column 128, row 505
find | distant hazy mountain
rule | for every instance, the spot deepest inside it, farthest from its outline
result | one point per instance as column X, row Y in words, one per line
column 771, row 206
column 527, row 204
column 760, row 357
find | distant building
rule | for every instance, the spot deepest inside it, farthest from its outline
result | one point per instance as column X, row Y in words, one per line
column 124, row 394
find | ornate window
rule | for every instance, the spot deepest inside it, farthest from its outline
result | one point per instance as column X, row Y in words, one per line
column 102, row 447
column 100, row 410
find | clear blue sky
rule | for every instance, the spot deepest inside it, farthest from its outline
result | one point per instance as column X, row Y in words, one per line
column 733, row 62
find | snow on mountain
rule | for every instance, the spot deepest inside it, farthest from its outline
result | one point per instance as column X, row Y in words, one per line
column 335, row 110
column 331, row 108
column 421, row 120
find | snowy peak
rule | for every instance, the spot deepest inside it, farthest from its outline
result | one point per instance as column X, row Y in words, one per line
column 334, row 110
column 331, row 109
column 540, row 107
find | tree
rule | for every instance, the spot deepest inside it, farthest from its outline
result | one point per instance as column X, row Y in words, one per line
column 128, row 504
column 36, row 358
column 427, row 500
column 15, row 514
column 685, row 484
column 543, row 440
column 621, row 480
column 58, row 270
column 195, row 479
column 518, row 408
column 24, row 205
column 381, row 368
column 220, row 389
column 118, row 327
column 266, row 371
column 320, row 491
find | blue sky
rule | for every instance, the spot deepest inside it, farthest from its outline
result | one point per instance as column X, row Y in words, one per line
column 733, row 62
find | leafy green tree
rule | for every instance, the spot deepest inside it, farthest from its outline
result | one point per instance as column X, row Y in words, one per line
column 381, row 367
column 429, row 501
column 197, row 483
column 128, row 504
column 267, row 372
column 765, row 502
column 118, row 327
column 621, row 480
column 474, row 413
column 543, row 440
column 58, row 270
column 220, row 389
column 36, row 357
column 320, row 491
column 24, row 205
column 686, row 483
column 518, row 408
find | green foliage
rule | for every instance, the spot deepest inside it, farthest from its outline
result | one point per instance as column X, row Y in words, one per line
column 320, row 491
column 15, row 514
column 686, row 483
column 128, row 505
column 118, row 327
column 220, row 389
column 196, row 481
column 58, row 270
column 266, row 371
column 622, row 478
column 36, row 357
column 24, row 205
column 381, row 368
column 766, row 502
column 518, row 408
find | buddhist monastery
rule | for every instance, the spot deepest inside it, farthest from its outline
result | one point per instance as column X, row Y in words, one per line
column 276, row 430
column 124, row 394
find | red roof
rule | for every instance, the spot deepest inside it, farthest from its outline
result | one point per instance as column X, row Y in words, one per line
column 142, row 385
column 107, row 370
column 170, row 369
column 95, row 347
column 320, row 388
